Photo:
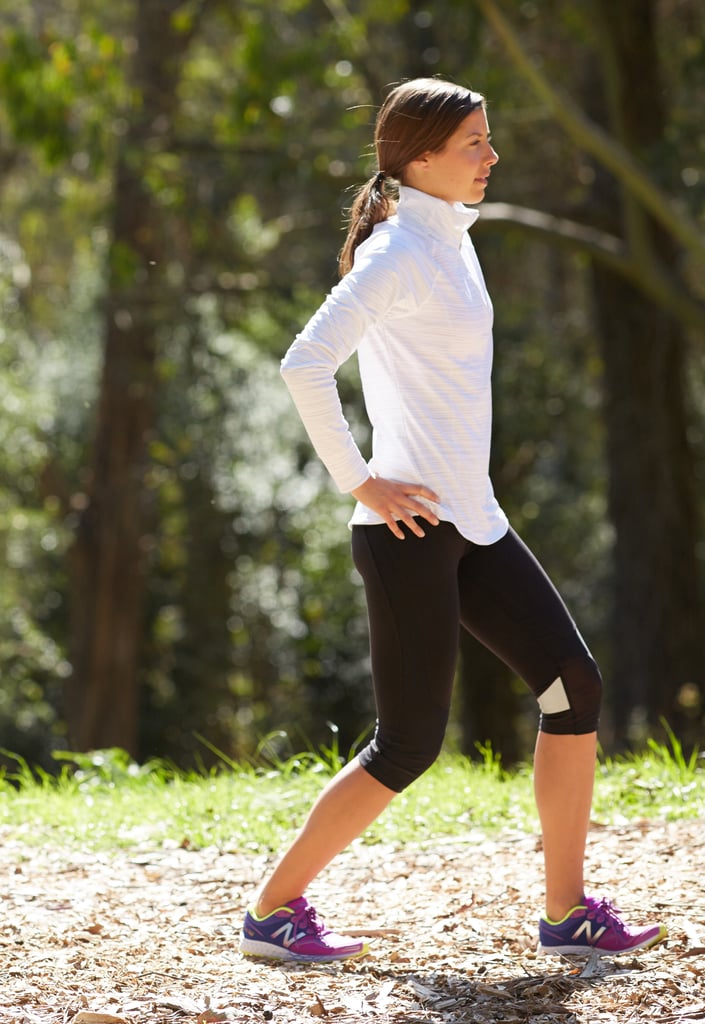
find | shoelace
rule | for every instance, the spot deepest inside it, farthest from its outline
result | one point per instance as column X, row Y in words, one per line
column 606, row 913
column 306, row 920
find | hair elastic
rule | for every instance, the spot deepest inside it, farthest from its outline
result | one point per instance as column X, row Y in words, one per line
column 380, row 179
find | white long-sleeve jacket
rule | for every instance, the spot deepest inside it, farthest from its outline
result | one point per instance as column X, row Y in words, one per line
column 416, row 310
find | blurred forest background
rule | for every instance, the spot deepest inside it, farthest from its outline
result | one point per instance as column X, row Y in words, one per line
column 176, row 573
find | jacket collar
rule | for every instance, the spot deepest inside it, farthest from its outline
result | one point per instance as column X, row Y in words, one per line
column 434, row 217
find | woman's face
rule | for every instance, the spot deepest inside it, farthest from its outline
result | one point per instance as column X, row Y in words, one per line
column 459, row 172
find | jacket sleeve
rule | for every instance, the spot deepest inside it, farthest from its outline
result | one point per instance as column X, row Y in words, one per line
column 370, row 292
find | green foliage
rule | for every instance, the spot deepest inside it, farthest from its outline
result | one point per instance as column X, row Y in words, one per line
column 663, row 783
column 50, row 84
column 283, row 629
column 255, row 619
column 672, row 757
column 32, row 660
column 38, row 93
column 105, row 800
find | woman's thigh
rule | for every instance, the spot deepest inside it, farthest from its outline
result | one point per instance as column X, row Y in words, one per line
column 508, row 603
column 411, row 588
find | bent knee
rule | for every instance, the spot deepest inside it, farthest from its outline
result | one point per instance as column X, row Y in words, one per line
column 571, row 703
column 396, row 764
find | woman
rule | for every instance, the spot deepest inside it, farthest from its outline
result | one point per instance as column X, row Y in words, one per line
column 433, row 546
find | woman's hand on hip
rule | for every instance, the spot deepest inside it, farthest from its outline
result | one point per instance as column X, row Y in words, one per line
column 396, row 503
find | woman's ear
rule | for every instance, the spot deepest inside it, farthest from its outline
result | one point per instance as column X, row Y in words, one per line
column 421, row 161
column 415, row 170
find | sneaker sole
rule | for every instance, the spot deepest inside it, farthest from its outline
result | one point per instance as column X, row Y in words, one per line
column 268, row 951
column 587, row 950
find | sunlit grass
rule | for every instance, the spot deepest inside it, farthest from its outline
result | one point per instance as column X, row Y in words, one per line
column 104, row 800
column 662, row 783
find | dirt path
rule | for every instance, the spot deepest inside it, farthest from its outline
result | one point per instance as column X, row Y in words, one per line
column 150, row 937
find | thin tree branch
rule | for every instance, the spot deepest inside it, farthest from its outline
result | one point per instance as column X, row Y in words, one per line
column 600, row 244
column 609, row 250
column 594, row 140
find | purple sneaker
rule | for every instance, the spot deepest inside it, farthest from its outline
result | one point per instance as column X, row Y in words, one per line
column 293, row 932
column 596, row 926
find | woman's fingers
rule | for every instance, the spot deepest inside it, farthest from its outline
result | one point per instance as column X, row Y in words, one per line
column 396, row 503
column 408, row 508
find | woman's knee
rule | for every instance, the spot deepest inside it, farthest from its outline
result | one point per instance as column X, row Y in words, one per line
column 571, row 703
column 396, row 761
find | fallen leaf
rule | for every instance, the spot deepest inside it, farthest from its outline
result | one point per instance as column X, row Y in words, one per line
column 88, row 1017
column 318, row 1009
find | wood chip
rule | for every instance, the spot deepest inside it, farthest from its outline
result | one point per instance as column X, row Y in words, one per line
column 454, row 925
column 88, row 1017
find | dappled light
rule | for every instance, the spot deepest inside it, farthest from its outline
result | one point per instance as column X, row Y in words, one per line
column 129, row 883
column 175, row 178
column 184, row 642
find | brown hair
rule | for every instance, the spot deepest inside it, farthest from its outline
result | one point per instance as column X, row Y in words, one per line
column 416, row 117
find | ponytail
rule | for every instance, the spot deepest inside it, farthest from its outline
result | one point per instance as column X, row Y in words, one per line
column 416, row 117
column 371, row 206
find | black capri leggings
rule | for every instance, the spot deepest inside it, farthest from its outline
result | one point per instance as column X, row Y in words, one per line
column 419, row 592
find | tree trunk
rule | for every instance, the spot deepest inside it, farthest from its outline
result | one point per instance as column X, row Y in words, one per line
column 658, row 647
column 108, row 556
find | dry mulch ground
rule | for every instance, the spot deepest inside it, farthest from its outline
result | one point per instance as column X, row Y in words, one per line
column 150, row 937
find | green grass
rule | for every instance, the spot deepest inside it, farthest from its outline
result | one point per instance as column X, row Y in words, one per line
column 103, row 801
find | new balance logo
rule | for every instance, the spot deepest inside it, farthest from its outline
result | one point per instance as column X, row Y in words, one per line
column 586, row 929
column 288, row 933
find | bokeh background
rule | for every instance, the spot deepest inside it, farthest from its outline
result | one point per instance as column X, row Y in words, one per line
column 176, row 578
